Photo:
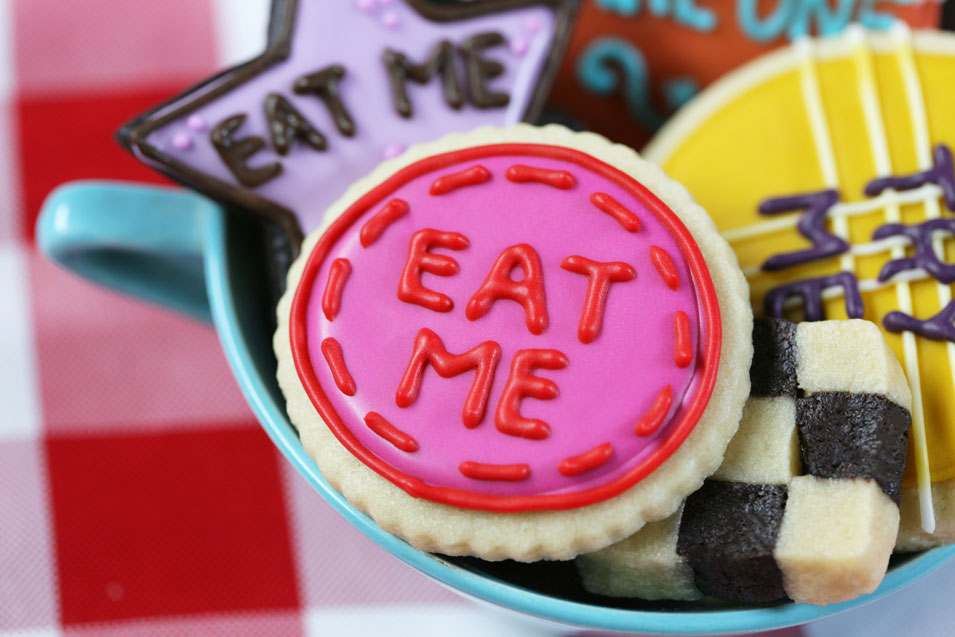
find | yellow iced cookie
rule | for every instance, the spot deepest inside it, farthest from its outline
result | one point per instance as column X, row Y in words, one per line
column 827, row 165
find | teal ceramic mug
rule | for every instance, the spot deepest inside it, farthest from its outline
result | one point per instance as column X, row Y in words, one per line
column 182, row 251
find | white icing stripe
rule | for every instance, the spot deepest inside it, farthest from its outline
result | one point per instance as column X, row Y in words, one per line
column 842, row 209
column 890, row 244
column 865, row 285
column 825, row 150
column 890, row 202
column 805, row 51
column 923, row 149
column 879, row 145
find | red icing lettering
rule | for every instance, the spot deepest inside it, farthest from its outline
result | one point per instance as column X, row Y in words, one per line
column 468, row 177
column 332, row 299
column 664, row 264
column 652, row 420
column 332, row 352
column 428, row 348
column 496, row 472
column 514, row 496
column 615, row 209
column 521, row 384
column 377, row 423
column 373, row 228
column 682, row 345
column 410, row 289
column 529, row 291
column 587, row 461
column 519, row 174
column 599, row 277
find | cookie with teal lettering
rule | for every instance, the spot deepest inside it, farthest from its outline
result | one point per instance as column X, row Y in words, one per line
column 515, row 343
column 631, row 64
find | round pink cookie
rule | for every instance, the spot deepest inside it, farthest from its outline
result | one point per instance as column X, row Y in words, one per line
column 502, row 326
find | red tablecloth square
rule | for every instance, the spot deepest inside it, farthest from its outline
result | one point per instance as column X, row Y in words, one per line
column 68, row 137
column 169, row 524
column 151, row 369
column 84, row 44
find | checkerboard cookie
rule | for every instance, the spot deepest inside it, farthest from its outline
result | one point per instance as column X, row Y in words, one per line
column 837, row 198
column 806, row 503
column 515, row 343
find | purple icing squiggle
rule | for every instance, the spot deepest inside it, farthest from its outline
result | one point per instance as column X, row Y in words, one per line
column 938, row 328
column 812, row 225
column 942, row 173
column 925, row 256
column 810, row 290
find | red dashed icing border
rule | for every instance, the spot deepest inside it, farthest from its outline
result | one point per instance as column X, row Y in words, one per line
column 416, row 487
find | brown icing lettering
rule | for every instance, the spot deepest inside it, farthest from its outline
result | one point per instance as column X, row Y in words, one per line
column 236, row 152
column 480, row 70
column 401, row 69
column 324, row 84
column 286, row 125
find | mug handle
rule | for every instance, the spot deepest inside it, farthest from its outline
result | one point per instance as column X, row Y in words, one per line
column 145, row 241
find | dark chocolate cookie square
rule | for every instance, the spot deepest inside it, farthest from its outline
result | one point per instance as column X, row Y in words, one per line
column 773, row 371
column 727, row 536
column 845, row 435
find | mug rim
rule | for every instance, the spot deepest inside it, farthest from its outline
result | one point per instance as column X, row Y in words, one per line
column 510, row 596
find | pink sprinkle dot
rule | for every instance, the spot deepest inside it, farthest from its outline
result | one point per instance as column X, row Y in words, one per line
column 181, row 141
column 393, row 150
column 519, row 46
column 532, row 24
column 365, row 6
column 390, row 20
column 196, row 123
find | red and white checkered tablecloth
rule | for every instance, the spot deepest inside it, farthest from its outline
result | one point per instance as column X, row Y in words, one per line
column 138, row 495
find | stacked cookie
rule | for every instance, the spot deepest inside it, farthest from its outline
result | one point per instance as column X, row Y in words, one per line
column 805, row 504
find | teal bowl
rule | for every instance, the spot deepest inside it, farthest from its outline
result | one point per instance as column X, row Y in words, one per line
column 184, row 252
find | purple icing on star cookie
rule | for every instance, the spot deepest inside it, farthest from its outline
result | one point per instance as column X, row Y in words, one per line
column 290, row 130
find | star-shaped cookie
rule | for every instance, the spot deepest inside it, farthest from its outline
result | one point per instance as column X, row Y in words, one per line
column 344, row 85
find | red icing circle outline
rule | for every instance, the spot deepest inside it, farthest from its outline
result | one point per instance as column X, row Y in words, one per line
column 706, row 295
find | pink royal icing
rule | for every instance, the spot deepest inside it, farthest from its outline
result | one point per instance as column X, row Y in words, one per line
column 556, row 420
